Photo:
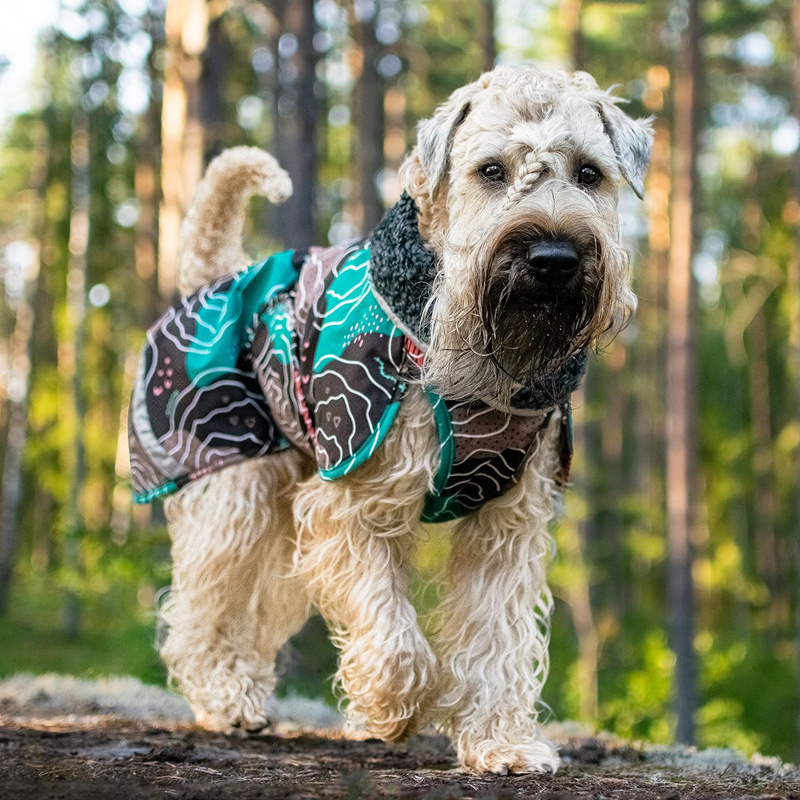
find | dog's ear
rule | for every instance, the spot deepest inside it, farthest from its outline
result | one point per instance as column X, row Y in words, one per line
column 631, row 139
column 435, row 135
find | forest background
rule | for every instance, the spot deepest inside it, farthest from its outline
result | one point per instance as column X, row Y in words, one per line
column 677, row 611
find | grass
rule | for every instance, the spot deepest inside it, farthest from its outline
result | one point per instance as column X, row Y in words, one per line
column 116, row 635
column 117, row 638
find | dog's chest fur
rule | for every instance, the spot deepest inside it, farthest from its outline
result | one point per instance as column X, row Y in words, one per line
column 303, row 350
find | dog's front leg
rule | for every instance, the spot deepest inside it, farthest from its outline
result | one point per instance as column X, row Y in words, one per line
column 356, row 574
column 494, row 629
column 355, row 541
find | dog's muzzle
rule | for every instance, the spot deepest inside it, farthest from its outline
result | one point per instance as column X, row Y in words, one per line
column 552, row 262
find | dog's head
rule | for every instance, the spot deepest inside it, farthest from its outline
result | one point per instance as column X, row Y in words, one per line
column 516, row 179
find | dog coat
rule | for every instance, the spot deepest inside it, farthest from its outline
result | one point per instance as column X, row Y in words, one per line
column 314, row 349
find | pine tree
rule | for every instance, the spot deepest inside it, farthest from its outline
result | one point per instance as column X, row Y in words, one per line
column 681, row 377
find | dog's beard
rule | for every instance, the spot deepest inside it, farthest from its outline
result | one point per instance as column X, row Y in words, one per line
column 529, row 330
column 503, row 332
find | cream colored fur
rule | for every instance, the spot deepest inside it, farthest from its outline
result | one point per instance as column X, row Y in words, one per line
column 355, row 542
column 494, row 624
column 232, row 605
column 211, row 235
column 542, row 124
column 257, row 544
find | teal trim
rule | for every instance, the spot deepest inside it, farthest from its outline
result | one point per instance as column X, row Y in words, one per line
column 353, row 308
column 444, row 426
column 441, row 509
column 438, row 508
column 226, row 319
column 154, row 494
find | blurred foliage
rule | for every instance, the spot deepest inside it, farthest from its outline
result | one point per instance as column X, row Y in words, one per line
column 119, row 601
column 107, row 58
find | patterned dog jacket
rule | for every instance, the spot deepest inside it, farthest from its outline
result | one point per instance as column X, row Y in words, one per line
column 314, row 349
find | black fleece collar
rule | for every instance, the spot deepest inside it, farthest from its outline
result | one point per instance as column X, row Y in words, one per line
column 403, row 269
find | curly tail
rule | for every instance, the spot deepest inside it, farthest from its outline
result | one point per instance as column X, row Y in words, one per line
column 211, row 236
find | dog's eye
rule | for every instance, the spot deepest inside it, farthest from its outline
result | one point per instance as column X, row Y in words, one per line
column 587, row 175
column 492, row 172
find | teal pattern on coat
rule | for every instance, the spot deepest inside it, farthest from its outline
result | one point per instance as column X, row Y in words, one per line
column 300, row 350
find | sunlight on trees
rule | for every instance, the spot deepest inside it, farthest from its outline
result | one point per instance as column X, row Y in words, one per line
column 687, row 469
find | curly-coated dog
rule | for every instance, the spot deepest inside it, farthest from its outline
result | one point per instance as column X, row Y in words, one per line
column 310, row 410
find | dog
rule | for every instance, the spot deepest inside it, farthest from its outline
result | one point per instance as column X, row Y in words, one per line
column 305, row 413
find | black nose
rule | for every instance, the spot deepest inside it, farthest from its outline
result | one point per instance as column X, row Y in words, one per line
column 553, row 261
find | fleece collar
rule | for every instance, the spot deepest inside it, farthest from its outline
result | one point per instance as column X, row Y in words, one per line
column 403, row 270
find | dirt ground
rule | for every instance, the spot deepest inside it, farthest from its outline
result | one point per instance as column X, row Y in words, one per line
column 90, row 758
column 45, row 753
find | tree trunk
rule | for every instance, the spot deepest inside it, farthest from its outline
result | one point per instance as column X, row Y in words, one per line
column 213, row 84
column 71, row 358
column 795, row 334
column 651, row 316
column 370, row 121
column 763, row 497
column 394, row 141
column 605, row 449
column 488, row 42
column 648, row 453
column 577, row 586
column 146, row 186
column 11, row 490
column 121, row 500
column 40, row 509
column 194, row 38
column 571, row 19
column 270, row 89
column 185, row 28
column 297, row 109
column 681, row 397
column 20, row 361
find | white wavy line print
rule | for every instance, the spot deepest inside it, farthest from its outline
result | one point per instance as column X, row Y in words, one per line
column 177, row 425
column 492, row 454
column 328, row 360
column 322, row 454
column 463, row 474
column 204, row 343
column 354, row 429
column 466, row 422
column 352, row 391
column 226, row 437
column 142, row 473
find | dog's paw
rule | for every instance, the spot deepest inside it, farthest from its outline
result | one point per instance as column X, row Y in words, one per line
column 254, row 718
column 503, row 758
column 397, row 728
column 391, row 699
column 250, row 713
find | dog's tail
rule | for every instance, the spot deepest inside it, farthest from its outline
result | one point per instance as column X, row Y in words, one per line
column 211, row 236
